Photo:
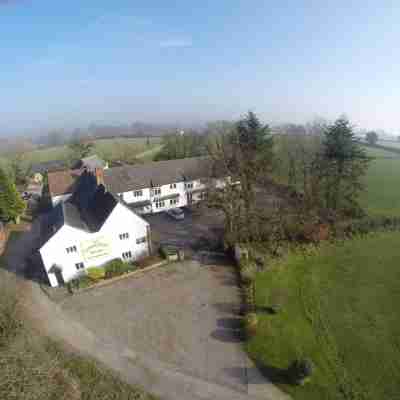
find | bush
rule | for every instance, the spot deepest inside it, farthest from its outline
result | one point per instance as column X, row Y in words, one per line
column 251, row 324
column 300, row 371
column 96, row 273
column 84, row 282
column 116, row 268
column 247, row 273
column 168, row 251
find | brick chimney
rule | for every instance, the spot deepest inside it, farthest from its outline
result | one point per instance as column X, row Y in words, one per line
column 99, row 172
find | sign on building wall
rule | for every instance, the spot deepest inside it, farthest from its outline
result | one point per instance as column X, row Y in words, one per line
column 95, row 248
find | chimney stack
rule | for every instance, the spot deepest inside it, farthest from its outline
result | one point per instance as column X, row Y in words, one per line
column 99, row 172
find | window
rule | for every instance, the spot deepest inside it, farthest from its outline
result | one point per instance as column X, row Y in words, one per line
column 138, row 193
column 79, row 266
column 156, row 191
column 173, row 201
column 172, row 186
column 189, row 185
column 124, row 236
column 160, row 204
column 141, row 240
column 203, row 195
column 127, row 255
column 71, row 249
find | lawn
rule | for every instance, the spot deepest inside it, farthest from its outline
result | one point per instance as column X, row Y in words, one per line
column 382, row 195
column 340, row 309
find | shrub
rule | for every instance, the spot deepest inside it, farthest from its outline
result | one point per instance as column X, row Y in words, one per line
column 84, row 282
column 277, row 299
column 115, row 268
column 251, row 324
column 96, row 273
column 168, row 252
column 300, row 371
column 247, row 273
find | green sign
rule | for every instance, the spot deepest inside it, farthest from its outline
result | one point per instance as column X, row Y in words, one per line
column 95, row 248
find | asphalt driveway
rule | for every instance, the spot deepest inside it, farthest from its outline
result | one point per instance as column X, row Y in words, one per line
column 200, row 230
column 185, row 315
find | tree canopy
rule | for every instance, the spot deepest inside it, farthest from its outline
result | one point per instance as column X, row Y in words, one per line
column 80, row 148
column 372, row 137
column 345, row 162
column 177, row 146
column 11, row 204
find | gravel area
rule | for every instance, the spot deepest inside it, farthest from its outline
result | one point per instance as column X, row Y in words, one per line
column 184, row 314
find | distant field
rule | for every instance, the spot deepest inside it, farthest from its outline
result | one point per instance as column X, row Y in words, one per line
column 395, row 144
column 106, row 148
column 382, row 196
column 339, row 309
column 103, row 147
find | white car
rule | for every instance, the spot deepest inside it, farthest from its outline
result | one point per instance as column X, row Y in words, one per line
column 176, row 213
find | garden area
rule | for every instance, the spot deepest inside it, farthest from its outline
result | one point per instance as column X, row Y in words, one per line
column 113, row 269
column 333, row 310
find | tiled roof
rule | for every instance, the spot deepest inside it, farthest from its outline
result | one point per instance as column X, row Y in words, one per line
column 62, row 182
column 157, row 173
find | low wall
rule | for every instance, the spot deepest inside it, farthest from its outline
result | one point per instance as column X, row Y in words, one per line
column 4, row 235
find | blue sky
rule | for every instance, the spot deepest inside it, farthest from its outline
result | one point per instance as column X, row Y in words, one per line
column 66, row 64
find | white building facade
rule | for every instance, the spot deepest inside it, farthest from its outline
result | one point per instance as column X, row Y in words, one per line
column 90, row 233
column 152, row 187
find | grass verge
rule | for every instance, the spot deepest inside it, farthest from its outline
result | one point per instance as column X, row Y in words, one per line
column 35, row 368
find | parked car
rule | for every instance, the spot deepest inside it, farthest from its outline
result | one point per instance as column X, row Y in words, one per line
column 176, row 213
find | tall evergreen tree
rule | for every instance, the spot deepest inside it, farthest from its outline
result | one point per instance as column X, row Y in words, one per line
column 346, row 164
column 252, row 156
column 11, row 204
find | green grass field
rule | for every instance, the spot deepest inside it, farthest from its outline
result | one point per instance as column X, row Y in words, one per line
column 395, row 144
column 382, row 195
column 103, row 147
column 340, row 309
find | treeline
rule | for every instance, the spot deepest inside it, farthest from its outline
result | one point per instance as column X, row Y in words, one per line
column 323, row 171
column 99, row 131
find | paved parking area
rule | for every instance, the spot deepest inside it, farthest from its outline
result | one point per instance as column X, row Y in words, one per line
column 185, row 315
column 200, row 230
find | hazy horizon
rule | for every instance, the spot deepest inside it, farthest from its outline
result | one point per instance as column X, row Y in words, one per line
column 66, row 65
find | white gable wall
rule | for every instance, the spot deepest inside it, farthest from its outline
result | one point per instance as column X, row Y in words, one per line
column 121, row 220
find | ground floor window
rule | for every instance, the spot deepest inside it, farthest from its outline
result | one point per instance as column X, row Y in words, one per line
column 79, row 266
column 141, row 240
column 127, row 255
